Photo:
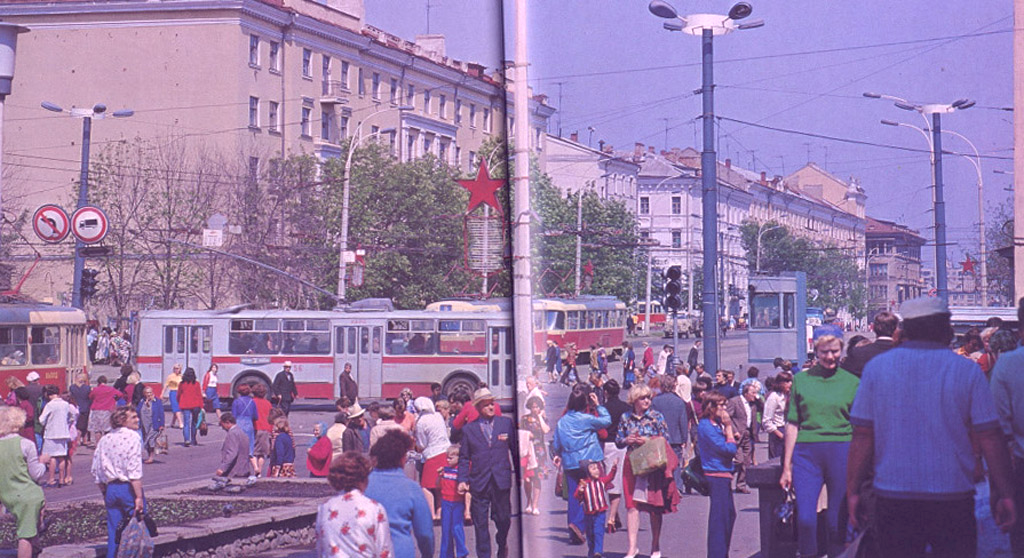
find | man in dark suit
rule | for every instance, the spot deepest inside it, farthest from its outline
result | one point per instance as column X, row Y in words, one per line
column 488, row 453
column 674, row 409
column 742, row 410
column 884, row 326
column 284, row 387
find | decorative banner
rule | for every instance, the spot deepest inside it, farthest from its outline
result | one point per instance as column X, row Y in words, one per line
column 483, row 230
column 51, row 223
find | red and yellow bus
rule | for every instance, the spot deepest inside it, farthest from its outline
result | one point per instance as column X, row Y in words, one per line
column 42, row 338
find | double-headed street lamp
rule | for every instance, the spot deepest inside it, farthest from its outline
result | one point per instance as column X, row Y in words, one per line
column 760, row 232
column 936, row 110
column 97, row 112
column 347, row 188
column 707, row 26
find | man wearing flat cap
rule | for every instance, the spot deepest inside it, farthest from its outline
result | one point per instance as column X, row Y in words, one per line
column 917, row 411
column 487, row 456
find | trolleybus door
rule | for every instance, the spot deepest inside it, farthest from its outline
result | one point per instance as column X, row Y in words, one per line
column 199, row 357
column 360, row 346
column 500, row 372
column 175, row 341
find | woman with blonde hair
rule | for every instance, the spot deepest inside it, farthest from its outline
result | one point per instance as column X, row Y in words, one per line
column 12, row 384
column 171, row 391
column 20, row 470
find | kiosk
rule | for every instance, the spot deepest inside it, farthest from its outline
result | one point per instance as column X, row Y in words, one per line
column 778, row 318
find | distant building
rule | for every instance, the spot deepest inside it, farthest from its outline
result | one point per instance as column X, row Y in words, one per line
column 573, row 167
column 893, row 260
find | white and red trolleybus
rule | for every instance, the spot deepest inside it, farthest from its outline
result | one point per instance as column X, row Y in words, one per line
column 585, row 320
column 43, row 338
column 388, row 350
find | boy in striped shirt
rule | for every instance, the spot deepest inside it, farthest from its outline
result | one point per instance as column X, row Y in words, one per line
column 592, row 492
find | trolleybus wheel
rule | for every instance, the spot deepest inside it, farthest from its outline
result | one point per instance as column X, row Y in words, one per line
column 251, row 378
column 460, row 382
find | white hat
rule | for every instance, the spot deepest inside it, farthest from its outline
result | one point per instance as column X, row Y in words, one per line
column 355, row 411
column 287, row 364
column 923, row 306
column 32, row 376
column 481, row 395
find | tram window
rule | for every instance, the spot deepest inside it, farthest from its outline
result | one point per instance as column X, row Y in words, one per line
column 339, row 340
column 179, row 340
column 554, row 320
column 13, row 346
column 193, row 346
column 573, row 321
column 789, row 310
column 168, row 340
column 538, row 321
column 45, row 345
column 765, row 311
column 293, row 325
column 351, row 340
column 364, row 340
column 376, row 340
column 508, row 341
column 590, row 319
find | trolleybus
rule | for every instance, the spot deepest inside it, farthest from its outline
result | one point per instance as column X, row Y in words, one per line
column 42, row 338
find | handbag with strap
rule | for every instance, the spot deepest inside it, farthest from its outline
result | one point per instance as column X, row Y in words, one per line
column 649, row 457
column 693, row 476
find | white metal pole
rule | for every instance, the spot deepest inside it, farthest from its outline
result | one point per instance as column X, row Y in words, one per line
column 522, row 287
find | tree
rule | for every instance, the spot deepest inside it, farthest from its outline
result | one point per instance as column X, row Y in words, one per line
column 1000, row 269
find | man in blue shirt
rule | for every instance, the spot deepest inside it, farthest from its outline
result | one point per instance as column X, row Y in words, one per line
column 1008, row 392
column 919, row 441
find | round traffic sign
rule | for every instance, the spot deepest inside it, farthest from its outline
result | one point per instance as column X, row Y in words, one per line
column 89, row 224
column 51, row 223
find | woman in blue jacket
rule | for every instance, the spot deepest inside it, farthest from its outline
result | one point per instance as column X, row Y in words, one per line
column 576, row 439
column 716, row 443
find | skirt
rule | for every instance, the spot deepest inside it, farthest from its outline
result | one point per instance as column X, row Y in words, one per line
column 99, row 421
column 149, row 439
column 286, row 470
column 262, row 448
column 430, row 470
column 82, row 423
column 173, row 397
column 56, row 447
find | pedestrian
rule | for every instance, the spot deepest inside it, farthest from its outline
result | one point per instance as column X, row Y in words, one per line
column 284, row 387
column 602, row 361
column 335, row 433
column 431, row 439
column 648, row 359
column 28, row 430
column 664, row 360
column 190, row 399
column 171, row 389
column 151, row 421
column 661, row 496
column 717, row 449
column 435, row 393
column 351, row 524
column 57, row 420
column 210, row 384
column 485, row 471
column 628, row 364
column 570, row 374
column 917, row 441
column 817, row 442
column 550, row 359
column 742, row 410
column 409, row 517
column 693, row 357
column 263, row 427
column 535, row 422
column 244, row 410
column 406, row 397
column 775, row 413
column 724, row 386
column 103, row 347
column 20, row 471
column 347, row 386
column 117, row 468
column 234, row 456
column 676, row 413
column 592, row 492
column 80, row 393
column 453, row 507
column 595, row 365
column 353, row 439
column 282, row 460
column 577, row 438
column 614, row 456
column 1008, row 393
column 103, row 401
column 385, row 422
column 884, row 325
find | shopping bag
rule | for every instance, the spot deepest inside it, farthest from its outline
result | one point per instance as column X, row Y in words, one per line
column 133, row 539
column 162, row 444
column 784, row 518
column 650, row 456
column 561, row 486
column 203, row 428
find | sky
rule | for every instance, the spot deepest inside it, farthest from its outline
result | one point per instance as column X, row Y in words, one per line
column 609, row 64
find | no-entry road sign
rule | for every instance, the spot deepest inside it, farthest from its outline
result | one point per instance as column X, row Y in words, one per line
column 89, row 224
column 51, row 223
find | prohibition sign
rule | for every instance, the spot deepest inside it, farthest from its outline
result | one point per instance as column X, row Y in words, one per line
column 51, row 223
column 89, row 224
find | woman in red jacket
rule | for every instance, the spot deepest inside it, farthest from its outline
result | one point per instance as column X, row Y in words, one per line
column 190, row 399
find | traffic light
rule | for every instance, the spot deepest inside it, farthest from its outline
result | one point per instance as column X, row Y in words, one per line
column 89, row 282
column 673, row 288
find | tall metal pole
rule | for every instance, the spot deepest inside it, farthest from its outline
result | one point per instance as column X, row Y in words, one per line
column 83, row 200
column 579, row 238
column 940, row 210
column 709, row 191
column 522, row 286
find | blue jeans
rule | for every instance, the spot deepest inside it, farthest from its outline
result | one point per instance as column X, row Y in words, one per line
column 189, row 428
column 594, row 528
column 453, row 536
column 816, row 464
column 575, row 512
column 721, row 516
column 677, row 473
column 119, row 502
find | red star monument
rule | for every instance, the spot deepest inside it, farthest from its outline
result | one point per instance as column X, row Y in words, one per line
column 968, row 265
column 483, row 189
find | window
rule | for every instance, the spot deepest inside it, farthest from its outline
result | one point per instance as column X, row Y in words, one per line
column 306, row 337
column 375, row 89
column 426, row 102
column 254, row 51
column 254, row 112
column 442, row 150
column 304, row 122
column 254, row 337
column 360, row 85
column 472, row 115
column 273, row 122
column 471, row 161
column 13, row 345
column 645, row 205
column 645, row 235
column 325, row 125
column 307, row 63
column 410, row 337
column 765, row 310
column 428, row 143
column 394, row 91
column 462, row 337
column 879, row 291
column 344, row 75
column 878, row 271
column 442, row 106
column 344, row 129
column 677, row 205
column 410, row 94
column 677, row 239
column 275, row 56
column 325, row 68
column 458, row 112
column 487, row 120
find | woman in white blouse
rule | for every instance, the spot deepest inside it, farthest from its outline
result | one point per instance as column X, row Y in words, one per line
column 431, row 437
column 774, row 420
column 57, row 419
column 350, row 524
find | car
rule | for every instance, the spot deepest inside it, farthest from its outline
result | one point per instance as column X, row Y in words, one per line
column 687, row 326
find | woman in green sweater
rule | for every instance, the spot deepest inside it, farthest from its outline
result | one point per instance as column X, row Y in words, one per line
column 818, row 434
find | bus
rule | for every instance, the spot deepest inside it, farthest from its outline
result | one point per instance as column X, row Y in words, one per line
column 586, row 320
column 658, row 317
column 42, row 338
column 388, row 350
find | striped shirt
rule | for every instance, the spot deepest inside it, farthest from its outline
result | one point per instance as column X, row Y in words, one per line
column 593, row 494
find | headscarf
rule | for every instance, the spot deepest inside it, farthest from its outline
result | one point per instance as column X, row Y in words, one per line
column 423, row 405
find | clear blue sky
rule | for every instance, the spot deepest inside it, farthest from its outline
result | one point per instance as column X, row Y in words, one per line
column 805, row 70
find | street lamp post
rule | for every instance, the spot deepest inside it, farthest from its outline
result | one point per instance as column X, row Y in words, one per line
column 760, row 233
column 97, row 112
column 935, row 110
column 983, row 253
column 347, row 188
column 8, row 44
column 707, row 26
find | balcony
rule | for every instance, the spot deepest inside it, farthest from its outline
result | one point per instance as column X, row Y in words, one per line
column 333, row 92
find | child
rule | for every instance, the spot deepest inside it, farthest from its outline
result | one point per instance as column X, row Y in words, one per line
column 593, row 493
column 453, row 507
column 282, row 460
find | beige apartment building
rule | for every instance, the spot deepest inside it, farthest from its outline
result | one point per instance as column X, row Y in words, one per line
column 252, row 79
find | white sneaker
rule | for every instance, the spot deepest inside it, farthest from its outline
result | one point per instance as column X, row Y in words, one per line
column 250, row 481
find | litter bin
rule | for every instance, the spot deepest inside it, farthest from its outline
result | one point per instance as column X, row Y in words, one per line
column 765, row 478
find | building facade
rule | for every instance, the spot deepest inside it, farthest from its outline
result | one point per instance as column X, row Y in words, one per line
column 893, row 265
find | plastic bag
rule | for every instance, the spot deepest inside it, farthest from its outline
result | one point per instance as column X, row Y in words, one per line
column 203, row 428
column 651, row 456
column 135, row 541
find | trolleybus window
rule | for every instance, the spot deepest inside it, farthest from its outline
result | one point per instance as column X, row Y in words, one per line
column 462, row 337
column 13, row 346
column 45, row 345
column 256, row 336
column 409, row 337
column 172, row 333
column 307, row 337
